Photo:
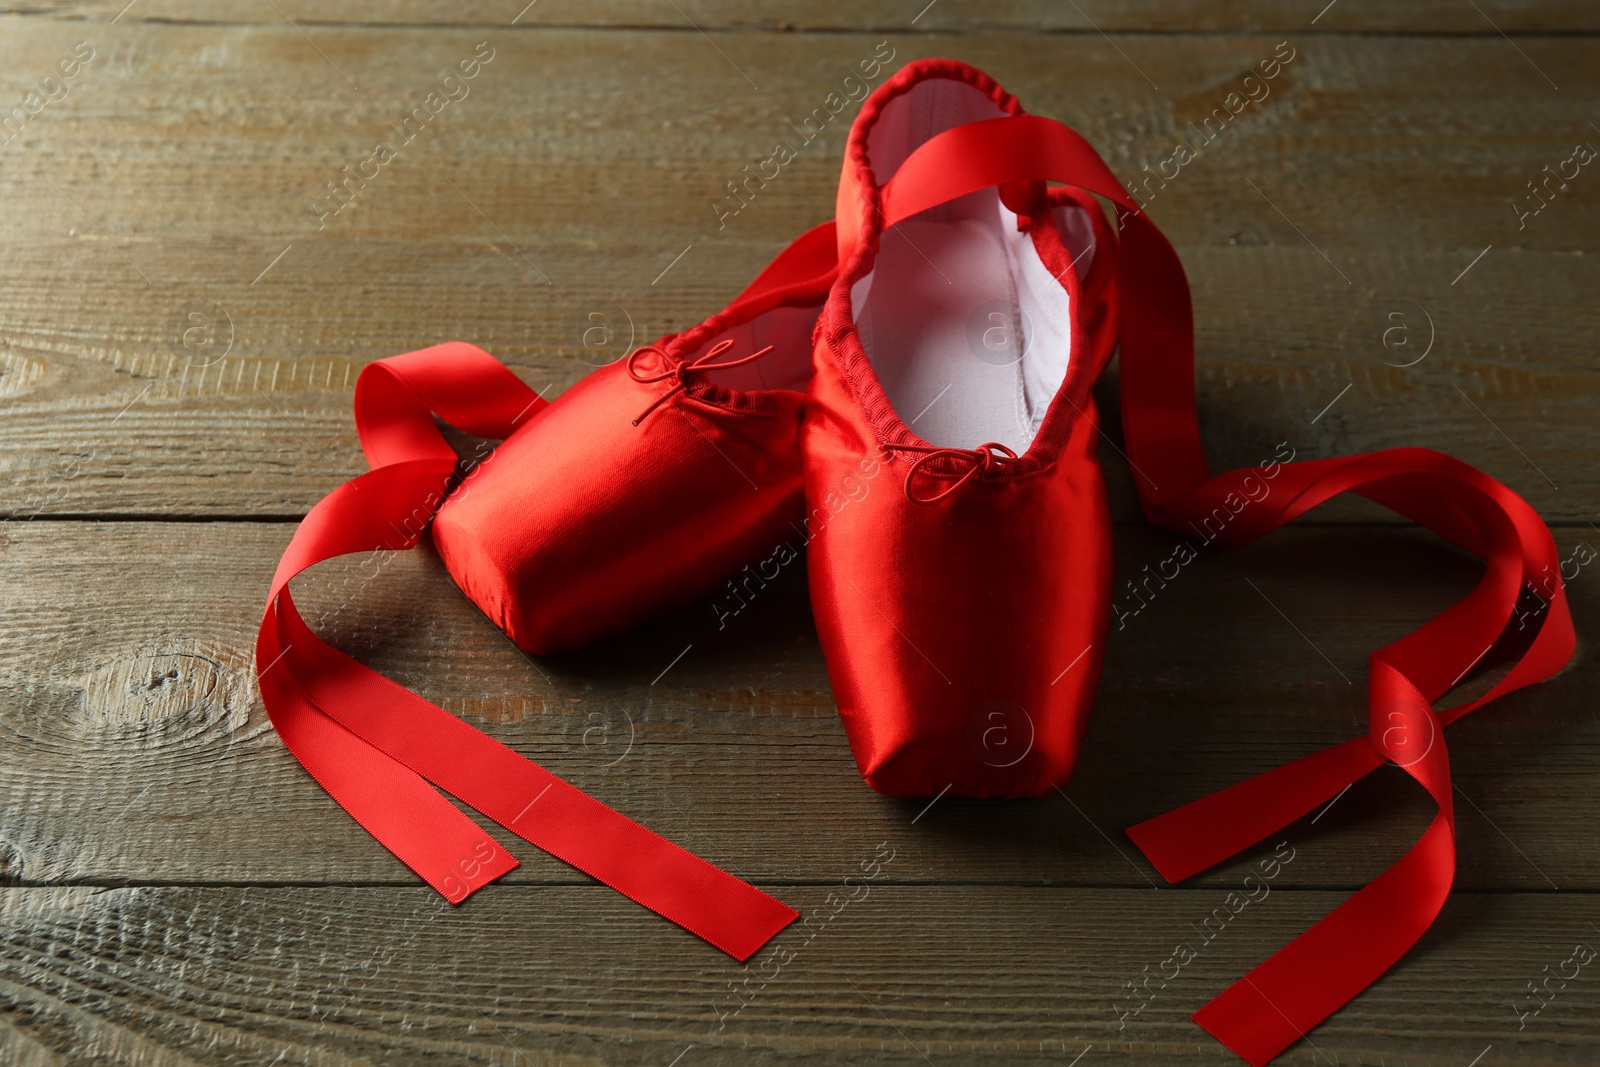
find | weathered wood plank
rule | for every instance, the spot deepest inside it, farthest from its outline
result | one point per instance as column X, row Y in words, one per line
column 1437, row 16
column 1404, row 156
column 133, row 746
column 899, row 975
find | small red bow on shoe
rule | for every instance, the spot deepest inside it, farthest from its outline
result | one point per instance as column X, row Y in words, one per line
column 978, row 461
column 682, row 369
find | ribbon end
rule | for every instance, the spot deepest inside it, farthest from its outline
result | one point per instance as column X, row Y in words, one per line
column 773, row 918
column 1252, row 1052
column 1147, row 838
column 456, row 888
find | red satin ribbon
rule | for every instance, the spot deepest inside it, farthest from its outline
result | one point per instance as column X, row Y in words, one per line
column 376, row 746
column 1317, row 973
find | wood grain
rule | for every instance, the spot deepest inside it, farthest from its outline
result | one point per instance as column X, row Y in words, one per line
column 900, row 975
column 135, row 750
column 184, row 161
column 948, row 16
column 175, row 890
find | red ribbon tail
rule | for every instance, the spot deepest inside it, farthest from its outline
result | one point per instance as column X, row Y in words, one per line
column 534, row 804
column 1288, row 995
column 1201, row 834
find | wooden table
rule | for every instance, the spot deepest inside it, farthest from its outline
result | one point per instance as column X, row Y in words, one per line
column 179, row 336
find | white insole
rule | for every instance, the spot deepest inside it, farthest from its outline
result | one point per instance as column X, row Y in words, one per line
column 968, row 331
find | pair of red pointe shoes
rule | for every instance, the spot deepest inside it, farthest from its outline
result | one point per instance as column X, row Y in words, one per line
column 940, row 464
column 908, row 387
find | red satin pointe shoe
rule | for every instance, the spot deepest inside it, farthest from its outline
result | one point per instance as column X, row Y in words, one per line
column 962, row 621
column 651, row 480
column 960, row 556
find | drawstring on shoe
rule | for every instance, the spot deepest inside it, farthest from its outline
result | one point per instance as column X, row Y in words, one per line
column 979, row 462
column 682, row 369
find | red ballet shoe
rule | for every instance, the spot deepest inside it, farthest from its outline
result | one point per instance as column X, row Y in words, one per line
column 963, row 619
column 959, row 552
column 646, row 484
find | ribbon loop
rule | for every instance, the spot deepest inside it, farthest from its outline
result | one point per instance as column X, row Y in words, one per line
column 679, row 371
column 975, row 463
